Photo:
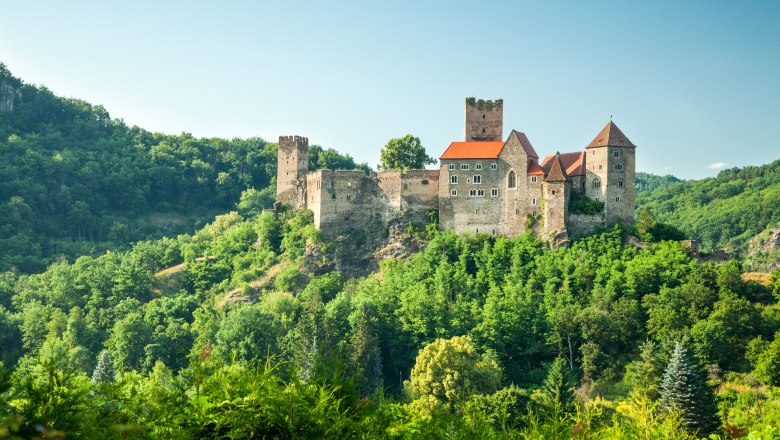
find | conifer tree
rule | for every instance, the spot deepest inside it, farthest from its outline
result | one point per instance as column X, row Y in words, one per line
column 684, row 388
column 557, row 396
column 104, row 371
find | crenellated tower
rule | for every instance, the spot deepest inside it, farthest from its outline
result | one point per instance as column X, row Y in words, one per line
column 291, row 170
column 484, row 120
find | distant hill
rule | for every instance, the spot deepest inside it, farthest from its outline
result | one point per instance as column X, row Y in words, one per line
column 75, row 181
column 723, row 212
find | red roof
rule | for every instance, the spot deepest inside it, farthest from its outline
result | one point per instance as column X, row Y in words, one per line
column 473, row 150
column 535, row 168
column 574, row 163
column 557, row 174
column 529, row 149
column 610, row 136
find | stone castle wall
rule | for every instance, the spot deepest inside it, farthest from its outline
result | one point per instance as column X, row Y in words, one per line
column 484, row 120
column 292, row 166
column 582, row 224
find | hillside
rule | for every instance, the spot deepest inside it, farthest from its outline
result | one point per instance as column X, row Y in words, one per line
column 225, row 327
column 723, row 212
column 75, row 181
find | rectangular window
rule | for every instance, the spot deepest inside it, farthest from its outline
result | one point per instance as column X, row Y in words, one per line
column 454, row 180
column 476, row 193
column 477, row 178
column 533, row 201
column 454, row 193
column 617, row 154
column 494, row 192
column 533, row 179
column 478, row 166
column 451, row 167
column 493, row 166
column 618, row 166
column 464, row 166
column 620, row 184
column 617, row 199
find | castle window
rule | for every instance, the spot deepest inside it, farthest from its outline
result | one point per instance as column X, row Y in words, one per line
column 617, row 154
column 617, row 199
column 454, row 193
column 451, row 167
column 483, row 116
column 478, row 166
column 406, row 186
column 596, row 183
column 477, row 178
column 599, row 166
column 476, row 210
column 511, row 181
column 483, row 130
column 333, row 196
column 618, row 166
column 553, row 192
column 424, row 182
column 464, row 166
column 494, row 192
column 620, row 184
column 476, row 193
column 533, row 179
column 517, row 211
column 493, row 166
column 454, row 180
column 533, row 201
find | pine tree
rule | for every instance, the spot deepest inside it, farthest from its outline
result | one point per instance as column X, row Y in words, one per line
column 557, row 394
column 684, row 388
column 104, row 371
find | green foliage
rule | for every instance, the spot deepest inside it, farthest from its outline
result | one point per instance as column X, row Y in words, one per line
column 684, row 388
column 104, row 371
column 721, row 212
column 449, row 371
column 329, row 159
column 647, row 183
column 582, row 204
column 404, row 153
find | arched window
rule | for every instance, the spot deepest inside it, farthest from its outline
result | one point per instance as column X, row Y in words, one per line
column 511, row 181
column 596, row 183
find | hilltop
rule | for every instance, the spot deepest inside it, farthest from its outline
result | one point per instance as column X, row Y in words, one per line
column 76, row 181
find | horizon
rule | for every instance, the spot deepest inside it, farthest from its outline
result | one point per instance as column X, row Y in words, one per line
column 352, row 77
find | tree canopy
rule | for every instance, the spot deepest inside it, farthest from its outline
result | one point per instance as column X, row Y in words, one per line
column 405, row 153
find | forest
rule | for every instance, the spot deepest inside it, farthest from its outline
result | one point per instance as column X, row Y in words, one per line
column 148, row 292
column 74, row 181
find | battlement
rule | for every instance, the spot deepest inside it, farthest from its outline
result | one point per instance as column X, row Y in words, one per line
column 295, row 139
column 486, row 105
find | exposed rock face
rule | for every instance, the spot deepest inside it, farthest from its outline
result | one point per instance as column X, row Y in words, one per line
column 8, row 96
column 764, row 248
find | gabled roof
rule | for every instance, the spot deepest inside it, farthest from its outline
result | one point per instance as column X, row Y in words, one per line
column 573, row 163
column 473, row 150
column 529, row 149
column 610, row 136
column 535, row 168
column 556, row 174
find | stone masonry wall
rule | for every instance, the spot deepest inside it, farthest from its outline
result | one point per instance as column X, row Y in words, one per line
column 582, row 224
column 484, row 120
column 292, row 167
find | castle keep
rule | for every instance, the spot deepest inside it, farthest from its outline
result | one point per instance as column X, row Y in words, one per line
column 485, row 184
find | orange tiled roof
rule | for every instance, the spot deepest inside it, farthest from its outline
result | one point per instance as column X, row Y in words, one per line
column 573, row 163
column 535, row 168
column 557, row 174
column 610, row 136
column 529, row 149
column 473, row 150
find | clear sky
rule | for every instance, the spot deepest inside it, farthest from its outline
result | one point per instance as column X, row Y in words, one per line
column 694, row 84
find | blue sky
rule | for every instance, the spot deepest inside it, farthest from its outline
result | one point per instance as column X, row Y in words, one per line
column 695, row 84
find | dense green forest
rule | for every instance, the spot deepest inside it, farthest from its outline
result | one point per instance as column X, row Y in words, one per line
column 233, row 333
column 244, row 328
column 720, row 212
column 75, row 182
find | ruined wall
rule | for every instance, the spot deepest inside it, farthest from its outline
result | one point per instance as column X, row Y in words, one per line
column 583, row 224
column 484, row 120
column 291, row 171
column 343, row 200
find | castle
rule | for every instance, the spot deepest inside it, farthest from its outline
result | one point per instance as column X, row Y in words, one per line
column 485, row 184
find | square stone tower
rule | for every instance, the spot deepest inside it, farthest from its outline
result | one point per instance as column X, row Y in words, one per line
column 610, row 174
column 484, row 120
column 292, row 167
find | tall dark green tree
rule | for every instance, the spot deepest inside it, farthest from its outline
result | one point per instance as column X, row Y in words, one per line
column 684, row 388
